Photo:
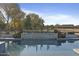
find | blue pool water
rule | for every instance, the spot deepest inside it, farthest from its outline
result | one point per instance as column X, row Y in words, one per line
column 43, row 48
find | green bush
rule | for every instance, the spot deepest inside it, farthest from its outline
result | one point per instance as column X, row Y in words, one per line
column 17, row 35
column 55, row 31
column 70, row 32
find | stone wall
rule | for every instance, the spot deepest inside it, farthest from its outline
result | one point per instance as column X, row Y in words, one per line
column 39, row 35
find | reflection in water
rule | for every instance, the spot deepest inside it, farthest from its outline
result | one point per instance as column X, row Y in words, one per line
column 16, row 48
column 41, row 43
column 2, row 48
column 48, row 47
column 71, row 41
column 41, row 47
column 36, row 48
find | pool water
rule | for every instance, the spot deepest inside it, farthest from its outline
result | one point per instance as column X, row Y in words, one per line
column 43, row 48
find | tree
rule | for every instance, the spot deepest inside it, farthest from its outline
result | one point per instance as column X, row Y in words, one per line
column 34, row 22
column 2, row 22
column 41, row 23
column 27, row 22
column 16, row 24
column 13, row 12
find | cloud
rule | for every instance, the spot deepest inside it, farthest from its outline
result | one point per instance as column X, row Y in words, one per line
column 56, row 18
column 61, row 19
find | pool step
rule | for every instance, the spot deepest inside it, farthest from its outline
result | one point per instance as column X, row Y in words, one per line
column 76, row 50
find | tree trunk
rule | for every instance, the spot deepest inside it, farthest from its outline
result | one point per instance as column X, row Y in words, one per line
column 8, row 25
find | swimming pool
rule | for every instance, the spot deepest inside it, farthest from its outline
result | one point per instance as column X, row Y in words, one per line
column 43, row 48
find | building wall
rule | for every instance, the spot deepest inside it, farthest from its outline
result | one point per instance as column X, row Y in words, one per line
column 68, row 30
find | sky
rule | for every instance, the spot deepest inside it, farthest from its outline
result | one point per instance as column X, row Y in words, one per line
column 54, row 13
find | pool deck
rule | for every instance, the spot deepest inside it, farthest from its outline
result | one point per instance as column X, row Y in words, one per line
column 19, row 39
column 10, row 39
column 76, row 50
column 68, row 39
